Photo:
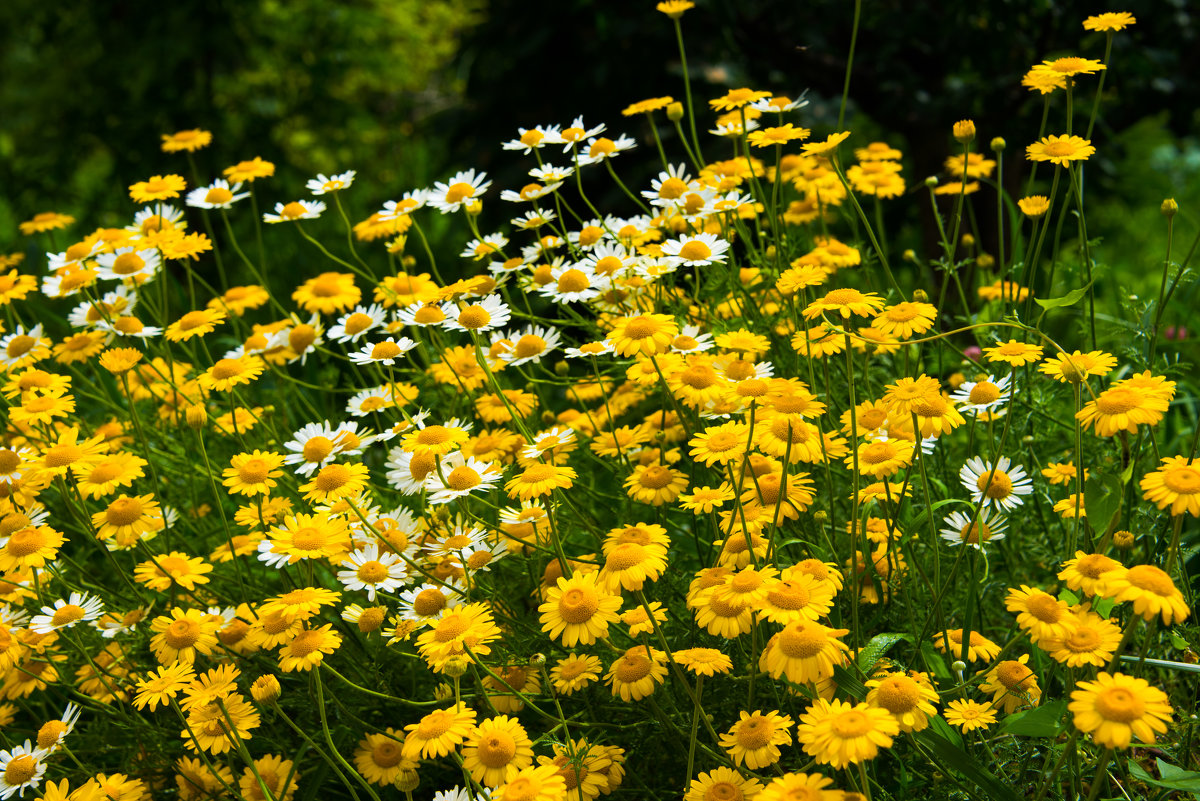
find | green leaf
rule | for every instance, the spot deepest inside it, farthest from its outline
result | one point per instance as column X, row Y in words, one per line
column 935, row 661
column 939, row 724
column 1102, row 500
column 1045, row 721
column 1178, row 642
column 957, row 759
column 1173, row 778
column 876, row 648
column 1069, row 299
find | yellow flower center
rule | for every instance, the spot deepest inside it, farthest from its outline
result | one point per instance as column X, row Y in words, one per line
column 739, row 370
column 532, row 138
column 754, row 733
column 996, row 485
column 225, row 369
column 435, row 724
column 459, row 192
column 1182, row 479
column 851, row 724
column 529, row 345
column 632, row 667
column 842, row 297
column 573, row 281
column 656, row 477
column 254, row 471
column 124, row 512
column 429, row 315
column 1120, row 705
column 68, row 614
column 20, row 345
column 317, row 449
column 1151, row 579
column 129, row 325
column 523, row 788
column 695, row 250
column 50, row 734
column 357, row 323
column 463, row 478
column 801, row 642
column 724, row 791
column 13, row 521
column 671, row 189
column 1120, row 400
column 293, row 210
column 429, row 602
column 372, row 572
column 1013, row 674
column 898, row 694
column 578, row 605
column 309, row 538
column 497, row 749
column 20, row 770
column 128, row 264
column 473, row 317
column 182, row 633
column 877, row 453
column 332, row 477
column 304, row 643
column 789, row 595
column 984, row 392
column 371, row 619
column 300, row 337
column 746, row 582
column 433, row 435
column 218, row 195
column 385, row 350
column 1083, row 640
column 26, row 542
column 10, row 460
column 1044, row 608
column 387, row 754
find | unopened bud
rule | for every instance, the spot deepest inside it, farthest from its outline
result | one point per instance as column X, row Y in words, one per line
column 537, row 660
column 964, row 130
column 406, row 781
column 968, row 240
column 196, row 415
column 909, row 255
column 473, row 207
column 931, row 181
column 561, row 368
column 920, row 296
column 986, row 260
column 455, row 666
column 958, row 666
column 675, row 112
column 1123, row 539
column 821, row 516
column 998, row 144
column 1169, row 207
column 265, row 689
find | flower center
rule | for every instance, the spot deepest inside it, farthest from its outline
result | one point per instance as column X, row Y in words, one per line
column 1152, row 579
column 372, row 572
column 218, row 195
column 746, row 582
column 633, row 667
column 529, row 345
column 429, row 602
column 20, row 770
column 254, row 471
column 68, row 614
column 755, row 733
column 522, row 789
column 1013, row 675
column 387, row 754
column 1059, row 148
column 1083, row 640
column 123, row 512
column 740, row 370
column 842, row 297
column 1044, row 608
column 724, row 791
column 996, row 484
column 695, row 250
column 984, row 392
column 20, row 345
column 332, row 477
column 462, row 479
column 309, row 538
column 433, row 435
column 578, row 605
column 1117, row 401
column 789, row 595
column 497, row 749
column 14, row 521
column 641, row 327
column 182, row 634
column 317, row 449
column 898, row 694
column 357, row 323
column 459, row 192
column 435, row 725
column 851, row 724
column 1120, row 705
column 474, row 317
column 128, row 264
column 25, row 542
column 671, row 189
column 1094, row 564
column 798, row 642
column 700, row 376
column 51, row 733
column 385, row 350
column 625, row 556
column 1183, row 479
column 656, row 477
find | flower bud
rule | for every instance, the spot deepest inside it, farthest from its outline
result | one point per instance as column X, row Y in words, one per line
column 675, row 112
column 1169, row 207
column 821, row 517
column 986, row 261
column 455, row 667
column 920, row 295
column 1122, row 539
column 964, row 130
column 958, row 666
column 537, row 660
column 968, row 240
column 909, row 255
column 998, row 144
column 406, row 781
column 931, row 181
column 266, row 689
column 561, row 368
column 196, row 415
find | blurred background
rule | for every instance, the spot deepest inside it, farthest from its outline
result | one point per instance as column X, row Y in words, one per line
column 408, row 91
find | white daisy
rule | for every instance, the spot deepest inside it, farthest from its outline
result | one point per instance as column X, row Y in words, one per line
column 17, row 346
column 778, row 104
column 312, row 447
column 602, row 148
column 530, row 192
column 480, row 249
column 421, row 314
column 1001, row 486
column 590, row 234
column 385, row 352
column 356, row 324
column 410, row 202
column 373, row 572
column 406, row 473
column 546, row 441
column 458, row 476
column 549, row 174
column 734, row 128
column 530, row 139
column 65, row 614
column 575, row 133
column 697, row 250
column 121, row 301
column 463, row 186
column 736, row 369
column 372, row 399
column 129, row 326
column 59, row 729
column 988, row 395
column 112, row 624
column 959, row 528
column 532, row 220
column 457, row 542
column 530, row 344
column 128, row 264
column 296, row 210
column 322, row 184
column 462, row 794
column 542, row 248
column 426, row 602
column 21, row 768
column 217, row 195
column 669, row 185
column 608, row 259
column 154, row 217
column 488, row 313
column 573, row 283
column 690, row 340
column 303, row 336
column 590, row 350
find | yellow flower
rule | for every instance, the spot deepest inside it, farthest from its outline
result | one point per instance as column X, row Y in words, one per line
column 1034, row 205
column 1116, row 708
column 755, row 738
column 438, row 733
column 673, row 9
column 45, row 221
column 840, row 734
column 723, row 784
column 159, row 187
column 634, row 675
column 496, row 751
column 1176, row 484
column 578, row 611
column 191, row 140
column 1060, row 150
column 736, row 98
column 969, row 715
column 1109, row 21
column 1151, row 590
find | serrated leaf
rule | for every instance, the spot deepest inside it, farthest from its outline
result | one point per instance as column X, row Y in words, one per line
column 1173, row 778
column 1102, row 500
column 1069, row 299
column 873, row 651
column 1045, row 721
